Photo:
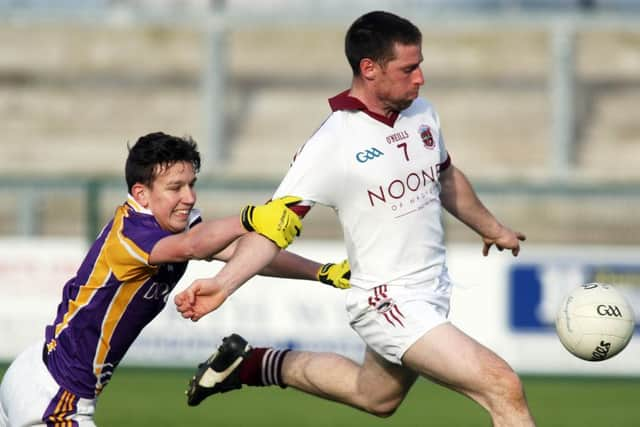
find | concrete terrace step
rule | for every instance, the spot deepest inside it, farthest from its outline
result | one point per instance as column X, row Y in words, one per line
column 72, row 97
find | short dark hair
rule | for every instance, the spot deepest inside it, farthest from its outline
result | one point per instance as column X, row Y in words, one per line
column 158, row 149
column 374, row 35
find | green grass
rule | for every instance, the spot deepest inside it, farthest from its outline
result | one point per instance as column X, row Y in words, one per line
column 154, row 397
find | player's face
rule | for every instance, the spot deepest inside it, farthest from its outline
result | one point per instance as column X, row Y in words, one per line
column 172, row 196
column 400, row 78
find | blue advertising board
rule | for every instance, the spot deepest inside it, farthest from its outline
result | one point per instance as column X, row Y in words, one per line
column 536, row 289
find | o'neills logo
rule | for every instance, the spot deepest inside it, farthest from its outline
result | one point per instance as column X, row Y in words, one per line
column 426, row 136
column 398, row 136
column 397, row 188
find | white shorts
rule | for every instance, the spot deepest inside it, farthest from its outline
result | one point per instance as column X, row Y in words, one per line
column 29, row 396
column 390, row 318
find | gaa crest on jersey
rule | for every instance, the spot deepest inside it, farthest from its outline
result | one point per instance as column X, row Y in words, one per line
column 426, row 136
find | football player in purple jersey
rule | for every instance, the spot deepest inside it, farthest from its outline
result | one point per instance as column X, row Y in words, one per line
column 143, row 250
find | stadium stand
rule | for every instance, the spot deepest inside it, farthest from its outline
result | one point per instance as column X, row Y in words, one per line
column 72, row 95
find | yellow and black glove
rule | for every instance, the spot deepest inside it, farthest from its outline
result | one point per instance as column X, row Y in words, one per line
column 336, row 275
column 274, row 220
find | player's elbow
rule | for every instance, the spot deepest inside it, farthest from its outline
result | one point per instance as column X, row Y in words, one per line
column 192, row 248
column 197, row 252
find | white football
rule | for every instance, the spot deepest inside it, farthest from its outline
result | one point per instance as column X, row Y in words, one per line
column 595, row 322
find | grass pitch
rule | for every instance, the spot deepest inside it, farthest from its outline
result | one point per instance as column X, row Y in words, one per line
column 155, row 397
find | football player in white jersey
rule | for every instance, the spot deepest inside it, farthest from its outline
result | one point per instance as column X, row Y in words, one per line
column 380, row 161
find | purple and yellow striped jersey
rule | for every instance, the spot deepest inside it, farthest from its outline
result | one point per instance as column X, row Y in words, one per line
column 113, row 296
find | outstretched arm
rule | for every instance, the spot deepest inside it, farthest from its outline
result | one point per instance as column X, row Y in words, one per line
column 459, row 199
column 289, row 265
column 252, row 254
column 248, row 256
column 285, row 264
column 273, row 220
column 199, row 242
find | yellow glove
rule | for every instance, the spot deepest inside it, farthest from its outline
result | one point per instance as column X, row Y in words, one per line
column 336, row 275
column 274, row 220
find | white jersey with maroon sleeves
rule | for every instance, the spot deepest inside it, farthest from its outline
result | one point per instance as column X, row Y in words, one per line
column 381, row 176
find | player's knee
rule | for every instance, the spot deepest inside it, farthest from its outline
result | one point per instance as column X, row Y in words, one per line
column 384, row 409
column 509, row 388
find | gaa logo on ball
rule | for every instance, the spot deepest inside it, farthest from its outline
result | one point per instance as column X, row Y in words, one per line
column 595, row 322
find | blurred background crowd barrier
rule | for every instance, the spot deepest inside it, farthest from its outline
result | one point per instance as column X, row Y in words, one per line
column 537, row 99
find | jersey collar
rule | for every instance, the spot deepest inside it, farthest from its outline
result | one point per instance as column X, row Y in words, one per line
column 194, row 215
column 343, row 101
column 136, row 206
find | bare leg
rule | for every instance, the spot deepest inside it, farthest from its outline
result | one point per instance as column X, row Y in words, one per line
column 376, row 386
column 450, row 357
